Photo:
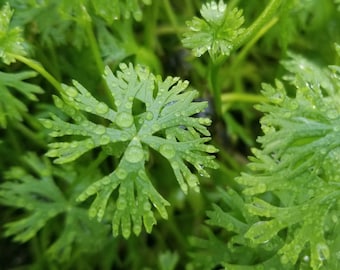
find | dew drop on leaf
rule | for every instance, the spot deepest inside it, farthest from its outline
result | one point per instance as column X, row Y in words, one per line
column 323, row 251
column 332, row 114
column 134, row 154
column 147, row 206
column 102, row 108
column 122, row 190
column 137, row 229
column 106, row 180
column 47, row 123
column 284, row 259
column 155, row 127
column 211, row 149
column 167, row 151
column 121, row 173
column 124, row 120
column 90, row 144
column 100, row 130
column 126, row 233
column 70, row 91
column 149, row 116
column 260, row 188
column 105, row 139
column 100, row 214
column 192, row 180
column 121, row 204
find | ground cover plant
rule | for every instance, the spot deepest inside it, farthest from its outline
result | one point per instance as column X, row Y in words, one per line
column 170, row 134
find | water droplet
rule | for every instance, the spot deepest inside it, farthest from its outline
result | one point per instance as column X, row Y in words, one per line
column 174, row 165
column 147, row 206
column 260, row 188
column 100, row 214
column 47, row 123
column 128, row 105
column 121, row 173
column 71, row 92
column 106, row 180
column 192, row 180
column 91, row 190
column 335, row 219
column 105, row 139
column 100, row 130
column 137, row 229
column 155, row 127
column 88, row 109
column 121, row 204
column 204, row 121
column 284, row 259
column 102, row 108
column 323, row 251
column 126, row 233
column 332, row 114
column 149, row 116
column 167, row 150
column 211, row 149
column 89, row 143
column 124, row 120
column 134, row 154
column 122, row 190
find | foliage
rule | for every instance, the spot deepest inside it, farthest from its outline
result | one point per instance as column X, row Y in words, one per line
column 216, row 32
column 111, row 159
column 165, row 126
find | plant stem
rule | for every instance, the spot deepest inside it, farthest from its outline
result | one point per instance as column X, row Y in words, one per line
column 268, row 13
column 215, row 87
column 242, row 97
column 172, row 17
column 41, row 70
column 241, row 56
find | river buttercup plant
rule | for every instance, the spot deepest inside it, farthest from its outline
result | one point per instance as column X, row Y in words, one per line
column 170, row 135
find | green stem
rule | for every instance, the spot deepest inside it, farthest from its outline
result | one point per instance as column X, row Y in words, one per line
column 243, row 53
column 41, row 70
column 172, row 17
column 268, row 13
column 94, row 47
column 242, row 97
column 97, row 58
column 215, row 87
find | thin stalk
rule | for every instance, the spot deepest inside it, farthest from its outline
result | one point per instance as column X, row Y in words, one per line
column 94, row 47
column 41, row 70
column 215, row 87
column 242, row 97
column 97, row 58
column 268, row 13
column 172, row 16
column 243, row 53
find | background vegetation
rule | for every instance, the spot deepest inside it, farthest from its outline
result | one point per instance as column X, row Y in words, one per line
column 278, row 212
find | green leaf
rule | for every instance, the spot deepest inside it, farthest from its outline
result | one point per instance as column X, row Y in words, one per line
column 11, row 40
column 44, row 205
column 164, row 123
column 11, row 107
column 216, row 32
column 298, row 163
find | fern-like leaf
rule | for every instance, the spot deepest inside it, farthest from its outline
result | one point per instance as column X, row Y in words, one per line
column 299, row 163
column 11, row 107
column 216, row 32
column 165, row 125
column 11, row 40
column 42, row 203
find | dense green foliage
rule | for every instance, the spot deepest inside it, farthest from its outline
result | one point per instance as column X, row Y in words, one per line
column 170, row 135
